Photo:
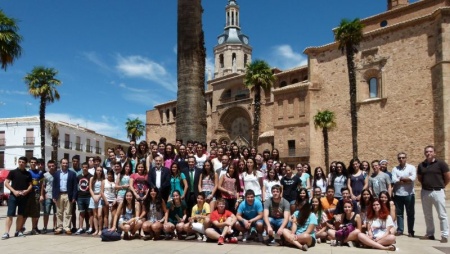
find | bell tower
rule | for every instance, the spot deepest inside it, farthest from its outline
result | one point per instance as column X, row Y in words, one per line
column 233, row 51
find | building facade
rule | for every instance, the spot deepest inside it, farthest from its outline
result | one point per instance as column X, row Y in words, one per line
column 21, row 137
column 402, row 88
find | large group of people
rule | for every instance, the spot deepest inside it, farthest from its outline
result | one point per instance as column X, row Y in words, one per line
column 227, row 194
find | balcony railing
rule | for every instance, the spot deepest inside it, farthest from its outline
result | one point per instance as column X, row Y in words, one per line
column 294, row 152
column 28, row 141
column 98, row 150
column 78, row 146
column 236, row 97
column 67, row 145
column 2, row 142
column 88, row 149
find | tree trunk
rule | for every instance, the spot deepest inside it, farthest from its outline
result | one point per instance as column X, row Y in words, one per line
column 353, row 111
column 42, row 125
column 256, row 116
column 191, row 104
column 326, row 148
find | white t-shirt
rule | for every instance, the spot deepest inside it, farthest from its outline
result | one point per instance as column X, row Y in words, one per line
column 251, row 182
column 268, row 185
column 200, row 160
column 379, row 227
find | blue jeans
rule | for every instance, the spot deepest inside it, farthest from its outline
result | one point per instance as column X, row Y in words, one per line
column 402, row 202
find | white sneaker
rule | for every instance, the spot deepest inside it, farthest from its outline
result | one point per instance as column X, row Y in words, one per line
column 244, row 237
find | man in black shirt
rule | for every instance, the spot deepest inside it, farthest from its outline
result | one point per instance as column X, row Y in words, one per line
column 19, row 183
column 434, row 175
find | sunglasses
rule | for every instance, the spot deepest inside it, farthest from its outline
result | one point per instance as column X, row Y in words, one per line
column 401, row 158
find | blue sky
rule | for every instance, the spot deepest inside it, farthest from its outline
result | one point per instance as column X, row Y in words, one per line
column 117, row 59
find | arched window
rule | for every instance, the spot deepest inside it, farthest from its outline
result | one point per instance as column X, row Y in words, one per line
column 294, row 81
column 283, row 84
column 221, row 62
column 245, row 60
column 373, row 88
column 167, row 115
column 174, row 112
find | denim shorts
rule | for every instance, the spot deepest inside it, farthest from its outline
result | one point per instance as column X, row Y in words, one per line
column 48, row 205
column 253, row 223
column 83, row 204
column 16, row 202
column 276, row 223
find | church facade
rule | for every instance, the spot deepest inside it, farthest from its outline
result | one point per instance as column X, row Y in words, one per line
column 403, row 86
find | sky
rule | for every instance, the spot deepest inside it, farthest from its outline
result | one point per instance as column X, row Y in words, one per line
column 117, row 59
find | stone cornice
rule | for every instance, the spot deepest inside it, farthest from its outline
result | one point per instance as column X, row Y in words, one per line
column 382, row 30
column 291, row 88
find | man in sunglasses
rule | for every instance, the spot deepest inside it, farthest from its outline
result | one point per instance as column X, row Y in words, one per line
column 403, row 177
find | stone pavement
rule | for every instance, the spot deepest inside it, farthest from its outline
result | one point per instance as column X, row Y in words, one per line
column 50, row 243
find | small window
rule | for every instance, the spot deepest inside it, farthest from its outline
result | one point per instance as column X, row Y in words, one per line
column 283, row 84
column 373, row 88
column 174, row 112
column 29, row 154
column 2, row 159
column 245, row 60
column 66, row 156
column 294, row 81
column 291, row 147
column 167, row 115
column 226, row 94
column 383, row 23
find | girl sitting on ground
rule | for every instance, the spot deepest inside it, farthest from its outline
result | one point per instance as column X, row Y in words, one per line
column 127, row 217
column 378, row 228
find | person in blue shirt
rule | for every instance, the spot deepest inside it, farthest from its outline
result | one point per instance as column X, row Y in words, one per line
column 249, row 216
column 302, row 233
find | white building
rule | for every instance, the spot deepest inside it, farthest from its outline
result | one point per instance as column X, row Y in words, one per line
column 21, row 137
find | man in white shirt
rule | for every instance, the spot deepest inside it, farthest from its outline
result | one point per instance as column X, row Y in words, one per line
column 403, row 177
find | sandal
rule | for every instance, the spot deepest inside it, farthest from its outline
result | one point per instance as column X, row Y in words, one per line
column 392, row 248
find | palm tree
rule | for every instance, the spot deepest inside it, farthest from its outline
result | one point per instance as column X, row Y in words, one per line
column 191, row 103
column 258, row 75
column 10, row 48
column 349, row 34
column 135, row 128
column 54, row 133
column 326, row 121
column 42, row 84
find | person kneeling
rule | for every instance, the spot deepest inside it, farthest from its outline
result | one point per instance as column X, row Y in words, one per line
column 199, row 219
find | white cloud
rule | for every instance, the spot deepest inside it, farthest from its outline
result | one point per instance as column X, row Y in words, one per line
column 132, row 89
column 94, row 58
column 141, row 67
column 209, row 68
column 284, row 57
column 28, row 103
column 109, row 126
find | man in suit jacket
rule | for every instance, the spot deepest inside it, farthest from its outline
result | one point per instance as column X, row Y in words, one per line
column 192, row 174
column 159, row 177
column 225, row 163
column 65, row 188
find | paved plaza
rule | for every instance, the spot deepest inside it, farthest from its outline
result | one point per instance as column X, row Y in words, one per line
column 50, row 243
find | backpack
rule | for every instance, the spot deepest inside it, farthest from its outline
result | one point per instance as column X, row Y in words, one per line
column 110, row 236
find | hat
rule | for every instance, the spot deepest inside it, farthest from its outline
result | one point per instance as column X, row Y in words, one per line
column 382, row 161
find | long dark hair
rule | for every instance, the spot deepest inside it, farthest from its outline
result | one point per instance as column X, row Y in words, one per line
column 351, row 170
column 319, row 208
column 125, row 203
column 298, row 200
column 122, row 172
column 344, row 171
column 388, row 198
column 211, row 173
column 316, row 177
column 157, row 201
column 178, row 173
column 363, row 205
column 235, row 175
column 304, row 213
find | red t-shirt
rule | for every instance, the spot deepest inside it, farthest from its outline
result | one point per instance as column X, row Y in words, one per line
column 216, row 216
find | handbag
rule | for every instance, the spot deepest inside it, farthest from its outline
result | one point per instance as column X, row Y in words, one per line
column 110, row 236
column 343, row 232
